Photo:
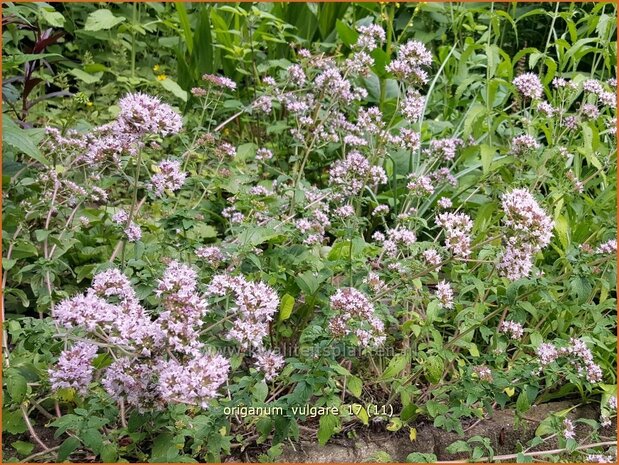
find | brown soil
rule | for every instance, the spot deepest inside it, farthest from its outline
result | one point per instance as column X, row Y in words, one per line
column 500, row 429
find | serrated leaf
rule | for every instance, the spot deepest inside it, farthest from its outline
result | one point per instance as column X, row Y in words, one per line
column 67, row 447
column 109, row 453
column 22, row 447
column 52, row 17
column 326, row 429
column 102, row 20
column 433, row 369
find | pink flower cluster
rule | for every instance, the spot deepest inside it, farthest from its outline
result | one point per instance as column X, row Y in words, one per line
column 195, row 382
column 219, row 81
column 253, row 308
column 578, row 354
column 169, row 177
column 156, row 361
column 529, row 229
column 140, row 116
column 444, row 294
column 74, row 368
column 351, row 174
column 131, row 230
column 356, row 315
column 432, row 257
column 529, row 85
column 524, row 144
column 604, row 97
column 370, row 37
column 568, row 429
column 134, row 382
column 412, row 106
column 270, row 363
column 184, row 308
column 511, row 328
column 408, row 65
column 211, row 255
column 398, row 239
column 457, row 227
column 419, row 185
column 608, row 247
column 144, row 114
column 445, row 149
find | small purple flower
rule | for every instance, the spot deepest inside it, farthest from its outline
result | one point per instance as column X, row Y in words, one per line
column 529, row 85
column 270, row 363
column 74, row 368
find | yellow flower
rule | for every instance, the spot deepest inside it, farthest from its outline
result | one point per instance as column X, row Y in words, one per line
column 156, row 68
column 88, row 104
column 161, row 77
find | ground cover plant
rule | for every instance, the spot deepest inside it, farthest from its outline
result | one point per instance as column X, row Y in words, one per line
column 227, row 227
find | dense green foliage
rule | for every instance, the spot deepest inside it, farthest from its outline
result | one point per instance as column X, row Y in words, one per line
column 445, row 358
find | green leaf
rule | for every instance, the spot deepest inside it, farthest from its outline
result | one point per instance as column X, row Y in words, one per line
column 355, row 386
column 184, row 19
column 109, row 453
column 14, row 60
column 419, row 457
column 257, row 236
column 86, row 77
column 173, row 87
column 13, row 422
column 264, row 426
column 260, row 391
column 285, row 307
column 487, row 155
column 67, row 447
column 22, row 447
column 307, row 282
column 102, row 20
column 458, row 447
column 246, row 151
column 562, row 229
column 433, row 369
column 396, row 365
column 523, row 404
column 20, row 140
column 347, row 34
column 52, row 17
column 16, row 386
column 93, row 439
column 203, row 43
column 326, row 429
column 360, row 413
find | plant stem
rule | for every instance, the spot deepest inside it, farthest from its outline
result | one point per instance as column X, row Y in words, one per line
column 537, row 453
column 33, row 433
column 133, row 203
